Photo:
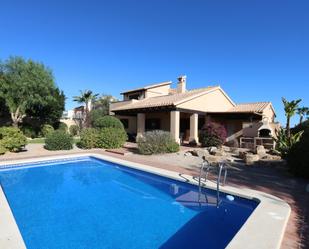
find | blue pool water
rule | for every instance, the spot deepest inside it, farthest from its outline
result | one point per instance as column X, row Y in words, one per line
column 90, row 203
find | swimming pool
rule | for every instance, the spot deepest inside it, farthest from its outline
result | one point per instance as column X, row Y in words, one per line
column 91, row 203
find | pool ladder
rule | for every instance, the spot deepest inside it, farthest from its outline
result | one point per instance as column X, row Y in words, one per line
column 204, row 170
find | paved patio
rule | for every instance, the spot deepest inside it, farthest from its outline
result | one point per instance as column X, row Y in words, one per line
column 275, row 181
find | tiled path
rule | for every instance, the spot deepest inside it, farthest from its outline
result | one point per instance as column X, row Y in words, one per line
column 273, row 181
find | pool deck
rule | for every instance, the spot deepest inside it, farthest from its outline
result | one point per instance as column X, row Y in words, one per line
column 273, row 181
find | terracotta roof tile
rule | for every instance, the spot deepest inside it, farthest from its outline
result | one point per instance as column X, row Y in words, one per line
column 166, row 100
column 249, row 107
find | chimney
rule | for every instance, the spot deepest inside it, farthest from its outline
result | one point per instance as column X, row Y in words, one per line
column 181, row 85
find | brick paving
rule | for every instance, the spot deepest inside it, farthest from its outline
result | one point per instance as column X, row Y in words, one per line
column 275, row 181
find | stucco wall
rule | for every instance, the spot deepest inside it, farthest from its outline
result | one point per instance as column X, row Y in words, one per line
column 269, row 113
column 157, row 91
column 214, row 101
column 132, row 123
column 163, row 116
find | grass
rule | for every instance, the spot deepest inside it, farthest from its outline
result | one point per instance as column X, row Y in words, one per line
column 41, row 140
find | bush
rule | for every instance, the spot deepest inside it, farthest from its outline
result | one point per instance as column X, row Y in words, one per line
column 12, row 139
column 74, row 130
column 46, row 129
column 96, row 114
column 29, row 131
column 58, row 140
column 111, row 138
column 156, row 142
column 88, row 138
column 2, row 148
column 297, row 157
column 212, row 134
column 62, row 127
column 108, row 122
column 284, row 144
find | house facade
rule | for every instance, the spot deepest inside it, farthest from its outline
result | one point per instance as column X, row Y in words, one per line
column 184, row 112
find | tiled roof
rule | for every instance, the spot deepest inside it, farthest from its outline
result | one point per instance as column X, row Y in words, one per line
column 149, row 86
column 249, row 107
column 166, row 100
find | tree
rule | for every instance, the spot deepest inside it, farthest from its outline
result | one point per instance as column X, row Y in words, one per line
column 28, row 89
column 86, row 97
column 103, row 103
column 302, row 112
column 290, row 108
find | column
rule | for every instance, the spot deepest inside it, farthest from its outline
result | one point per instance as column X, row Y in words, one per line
column 193, row 128
column 140, row 124
column 174, row 125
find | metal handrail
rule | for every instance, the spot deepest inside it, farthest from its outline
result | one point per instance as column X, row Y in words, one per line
column 206, row 164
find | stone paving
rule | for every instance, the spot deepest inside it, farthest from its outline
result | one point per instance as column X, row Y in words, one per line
column 275, row 181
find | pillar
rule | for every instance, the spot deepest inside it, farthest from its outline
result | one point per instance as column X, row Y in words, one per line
column 140, row 124
column 193, row 128
column 175, row 125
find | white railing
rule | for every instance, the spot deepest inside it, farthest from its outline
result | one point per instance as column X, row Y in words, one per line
column 253, row 142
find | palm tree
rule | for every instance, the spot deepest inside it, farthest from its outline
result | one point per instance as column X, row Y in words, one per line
column 290, row 108
column 86, row 97
column 302, row 112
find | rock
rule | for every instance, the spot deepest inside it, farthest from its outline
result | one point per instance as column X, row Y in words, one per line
column 212, row 149
column 219, row 152
column 271, row 157
column 188, row 153
column 234, row 151
column 260, row 151
column 250, row 159
column 200, row 153
column 214, row 159
column 242, row 154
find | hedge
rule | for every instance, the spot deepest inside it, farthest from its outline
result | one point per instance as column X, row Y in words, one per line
column 58, row 140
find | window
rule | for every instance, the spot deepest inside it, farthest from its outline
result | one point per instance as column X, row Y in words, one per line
column 125, row 122
column 153, row 124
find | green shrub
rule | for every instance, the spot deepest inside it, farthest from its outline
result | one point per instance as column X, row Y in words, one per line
column 96, row 114
column 111, row 138
column 297, row 157
column 58, row 140
column 46, row 129
column 29, row 131
column 2, row 148
column 108, row 122
column 156, row 142
column 212, row 134
column 88, row 138
column 62, row 127
column 74, row 130
column 12, row 139
column 283, row 144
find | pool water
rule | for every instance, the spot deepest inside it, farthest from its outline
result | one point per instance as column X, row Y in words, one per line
column 90, row 203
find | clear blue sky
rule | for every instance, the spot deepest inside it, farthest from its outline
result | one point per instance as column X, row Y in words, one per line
column 257, row 50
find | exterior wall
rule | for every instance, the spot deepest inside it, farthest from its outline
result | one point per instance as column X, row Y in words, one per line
column 214, row 101
column 269, row 114
column 132, row 123
column 163, row 116
column 157, row 91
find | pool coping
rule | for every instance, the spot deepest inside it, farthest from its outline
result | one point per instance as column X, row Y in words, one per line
column 264, row 228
